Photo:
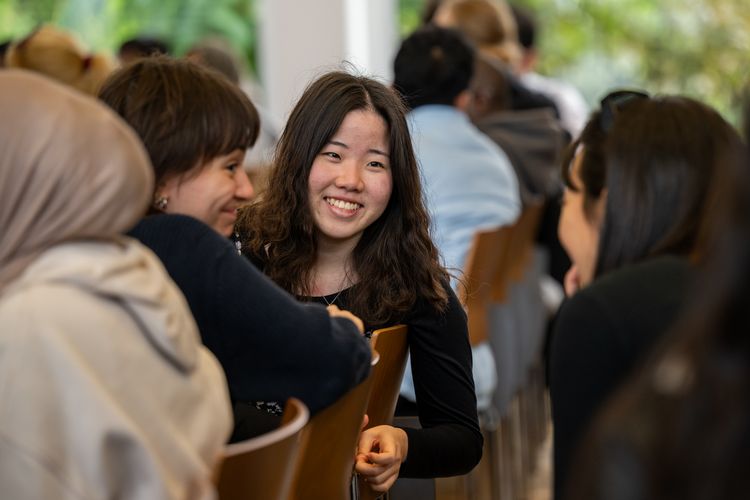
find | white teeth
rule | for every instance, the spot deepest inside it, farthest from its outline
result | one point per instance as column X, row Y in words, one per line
column 342, row 204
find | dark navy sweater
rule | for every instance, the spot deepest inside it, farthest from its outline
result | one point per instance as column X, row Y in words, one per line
column 271, row 346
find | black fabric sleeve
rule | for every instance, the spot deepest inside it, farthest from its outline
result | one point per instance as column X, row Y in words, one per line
column 271, row 346
column 449, row 442
column 585, row 365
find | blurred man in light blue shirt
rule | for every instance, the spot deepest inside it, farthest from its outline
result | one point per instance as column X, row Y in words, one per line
column 469, row 183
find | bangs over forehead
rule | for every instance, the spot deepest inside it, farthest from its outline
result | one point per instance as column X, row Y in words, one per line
column 186, row 115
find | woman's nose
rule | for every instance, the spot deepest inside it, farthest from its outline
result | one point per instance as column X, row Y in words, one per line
column 350, row 178
column 244, row 190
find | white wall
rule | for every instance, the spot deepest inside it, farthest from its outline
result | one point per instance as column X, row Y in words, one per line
column 301, row 39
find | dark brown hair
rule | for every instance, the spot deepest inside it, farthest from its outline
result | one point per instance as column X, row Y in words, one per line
column 658, row 162
column 395, row 259
column 680, row 428
column 185, row 115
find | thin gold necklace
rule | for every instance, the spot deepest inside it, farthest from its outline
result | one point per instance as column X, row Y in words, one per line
column 342, row 287
column 334, row 299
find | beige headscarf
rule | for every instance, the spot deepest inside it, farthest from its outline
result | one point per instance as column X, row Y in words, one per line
column 69, row 169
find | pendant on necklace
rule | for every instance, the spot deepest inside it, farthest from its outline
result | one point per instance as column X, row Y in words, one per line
column 334, row 298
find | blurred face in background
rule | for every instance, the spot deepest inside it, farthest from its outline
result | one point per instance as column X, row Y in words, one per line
column 578, row 229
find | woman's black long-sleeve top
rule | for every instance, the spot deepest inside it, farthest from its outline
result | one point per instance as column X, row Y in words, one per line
column 449, row 442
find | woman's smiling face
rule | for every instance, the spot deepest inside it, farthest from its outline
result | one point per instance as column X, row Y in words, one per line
column 212, row 192
column 350, row 180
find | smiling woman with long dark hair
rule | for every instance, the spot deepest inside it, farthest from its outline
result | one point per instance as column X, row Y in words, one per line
column 343, row 222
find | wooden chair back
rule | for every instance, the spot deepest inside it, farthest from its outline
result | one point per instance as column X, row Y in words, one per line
column 392, row 346
column 517, row 254
column 527, row 231
column 263, row 467
column 391, row 343
column 329, row 444
column 487, row 252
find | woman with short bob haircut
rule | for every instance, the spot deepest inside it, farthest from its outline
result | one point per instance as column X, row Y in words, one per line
column 637, row 185
column 187, row 117
column 343, row 221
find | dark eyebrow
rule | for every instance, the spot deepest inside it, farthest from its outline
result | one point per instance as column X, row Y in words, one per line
column 374, row 151
column 379, row 152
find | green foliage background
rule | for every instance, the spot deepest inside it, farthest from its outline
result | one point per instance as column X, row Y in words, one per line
column 695, row 47
column 104, row 24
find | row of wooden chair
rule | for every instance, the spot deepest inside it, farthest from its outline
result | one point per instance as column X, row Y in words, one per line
column 309, row 459
column 514, row 428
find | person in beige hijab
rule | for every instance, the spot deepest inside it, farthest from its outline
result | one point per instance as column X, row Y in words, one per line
column 106, row 391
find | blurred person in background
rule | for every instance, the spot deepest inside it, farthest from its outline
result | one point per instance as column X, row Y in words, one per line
column 142, row 46
column 569, row 102
column 58, row 55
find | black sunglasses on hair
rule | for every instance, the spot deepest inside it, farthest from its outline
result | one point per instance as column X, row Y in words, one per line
column 612, row 102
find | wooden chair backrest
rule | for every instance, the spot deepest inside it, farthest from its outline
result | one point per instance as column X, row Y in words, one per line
column 263, row 467
column 517, row 255
column 527, row 232
column 392, row 346
column 329, row 445
column 488, row 250
column 391, row 343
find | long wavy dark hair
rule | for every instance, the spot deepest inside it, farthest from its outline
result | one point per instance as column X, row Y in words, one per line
column 395, row 259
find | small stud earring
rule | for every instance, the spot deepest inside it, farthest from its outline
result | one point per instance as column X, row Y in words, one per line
column 160, row 203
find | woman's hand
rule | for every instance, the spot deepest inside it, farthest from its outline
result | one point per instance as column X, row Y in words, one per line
column 572, row 281
column 335, row 312
column 380, row 453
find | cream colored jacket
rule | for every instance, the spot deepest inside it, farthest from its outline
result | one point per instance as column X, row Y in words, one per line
column 105, row 389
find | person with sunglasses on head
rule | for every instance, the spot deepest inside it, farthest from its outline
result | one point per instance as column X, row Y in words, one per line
column 638, row 181
column 679, row 429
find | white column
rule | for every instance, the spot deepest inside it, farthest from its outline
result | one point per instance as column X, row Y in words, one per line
column 371, row 35
column 301, row 39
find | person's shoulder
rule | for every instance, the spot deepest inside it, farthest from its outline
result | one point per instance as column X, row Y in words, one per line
column 652, row 284
column 424, row 310
column 170, row 223
column 176, row 230
column 488, row 148
column 667, row 270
